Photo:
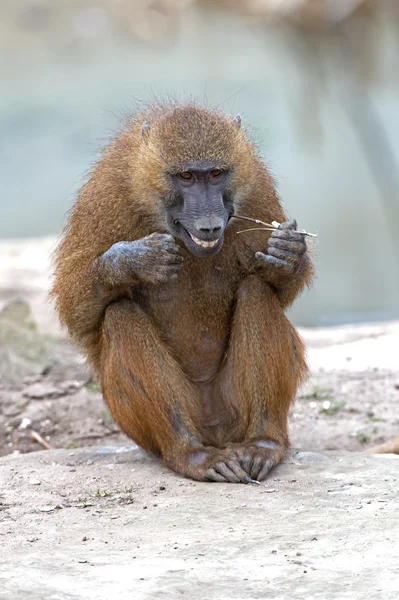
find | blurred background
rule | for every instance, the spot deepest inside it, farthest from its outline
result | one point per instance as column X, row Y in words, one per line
column 317, row 83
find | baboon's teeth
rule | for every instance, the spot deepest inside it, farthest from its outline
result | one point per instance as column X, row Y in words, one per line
column 202, row 243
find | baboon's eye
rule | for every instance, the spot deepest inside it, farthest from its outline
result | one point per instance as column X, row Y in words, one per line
column 216, row 172
column 186, row 175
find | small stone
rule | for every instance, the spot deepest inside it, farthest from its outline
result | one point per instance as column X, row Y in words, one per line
column 69, row 386
column 37, row 391
column 49, row 508
column 25, row 423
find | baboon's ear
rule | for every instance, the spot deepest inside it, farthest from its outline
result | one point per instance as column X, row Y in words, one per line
column 237, row 120
column 145, row 129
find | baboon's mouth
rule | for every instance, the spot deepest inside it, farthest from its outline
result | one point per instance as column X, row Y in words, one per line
column 199, row 247
column 202, row 243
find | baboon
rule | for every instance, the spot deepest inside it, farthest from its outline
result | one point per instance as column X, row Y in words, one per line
column 179, row 314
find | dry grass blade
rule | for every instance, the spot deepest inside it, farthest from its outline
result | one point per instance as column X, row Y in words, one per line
column 258, row 229
column 254, row 221
column 266, row 226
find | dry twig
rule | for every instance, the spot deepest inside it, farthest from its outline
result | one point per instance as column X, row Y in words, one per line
column 38, row 438
column 267, row 226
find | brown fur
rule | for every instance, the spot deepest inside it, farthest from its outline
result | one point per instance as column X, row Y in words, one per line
column 210, row 360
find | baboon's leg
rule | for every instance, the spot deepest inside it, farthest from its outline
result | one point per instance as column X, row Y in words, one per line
column 152, row 400
column 265, row 365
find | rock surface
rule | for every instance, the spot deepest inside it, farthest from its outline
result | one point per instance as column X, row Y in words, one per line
column 99, row 524
column 23, row 350
column 26, row 273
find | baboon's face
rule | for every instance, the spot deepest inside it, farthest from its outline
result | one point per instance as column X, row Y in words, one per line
column 200, row 207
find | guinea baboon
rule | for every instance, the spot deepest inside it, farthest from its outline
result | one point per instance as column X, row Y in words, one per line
column 181, row 317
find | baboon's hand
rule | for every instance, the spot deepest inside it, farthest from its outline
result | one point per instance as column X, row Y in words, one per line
column 153, row 259
column 286, row 249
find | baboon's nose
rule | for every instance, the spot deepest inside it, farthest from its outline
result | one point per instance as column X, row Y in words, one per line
column 210, row 226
